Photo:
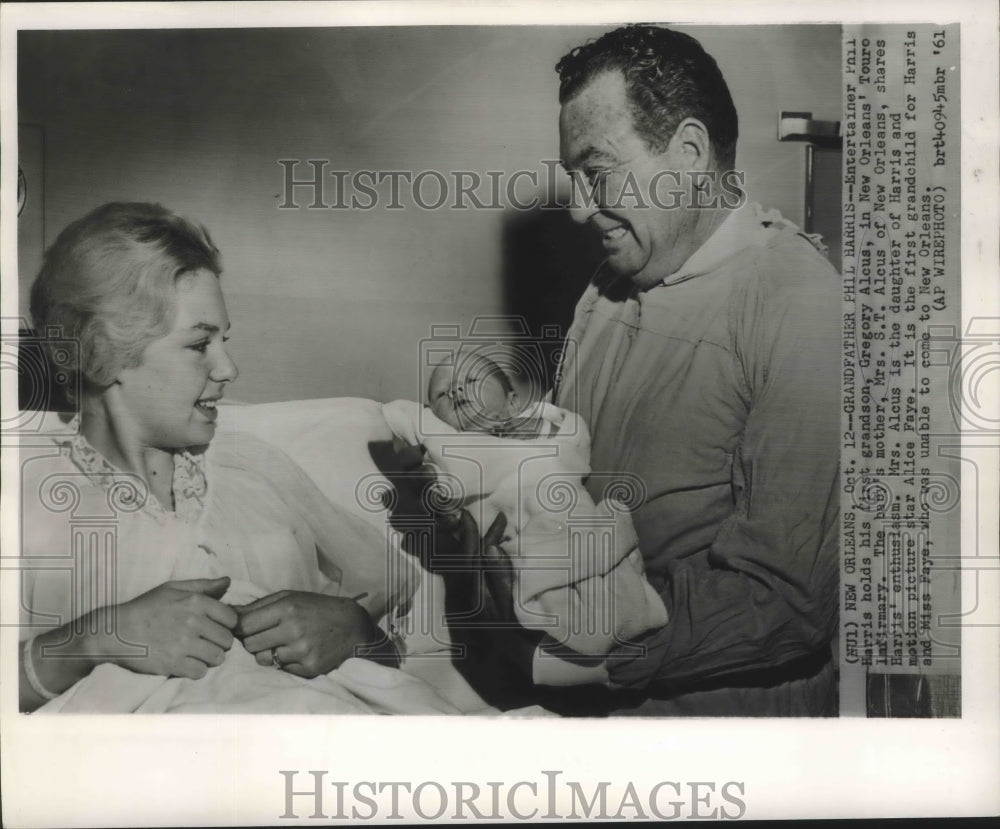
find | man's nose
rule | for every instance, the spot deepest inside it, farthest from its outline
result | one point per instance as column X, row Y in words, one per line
column 583, row 202
column 581, row 212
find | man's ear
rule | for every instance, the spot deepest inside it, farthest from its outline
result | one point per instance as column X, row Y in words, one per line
column 691, row 142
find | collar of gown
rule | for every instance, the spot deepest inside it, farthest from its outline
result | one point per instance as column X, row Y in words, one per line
column 127, row 492
column 748, row 226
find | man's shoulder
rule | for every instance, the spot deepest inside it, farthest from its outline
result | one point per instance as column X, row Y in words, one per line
column 783, row 283
column 790, row 264
column 768, row 245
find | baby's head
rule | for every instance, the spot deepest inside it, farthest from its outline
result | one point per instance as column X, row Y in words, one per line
column 475, row 396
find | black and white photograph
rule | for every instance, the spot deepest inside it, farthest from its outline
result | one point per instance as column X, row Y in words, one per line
column 434, row 412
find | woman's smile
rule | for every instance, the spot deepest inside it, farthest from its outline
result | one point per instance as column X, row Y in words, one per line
column 207, row 407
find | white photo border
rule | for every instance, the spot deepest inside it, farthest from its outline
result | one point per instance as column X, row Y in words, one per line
column 142, row 770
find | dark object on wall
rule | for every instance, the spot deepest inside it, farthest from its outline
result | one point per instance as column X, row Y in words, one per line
column 801, row 126
column 824, row 185
column 824, row 188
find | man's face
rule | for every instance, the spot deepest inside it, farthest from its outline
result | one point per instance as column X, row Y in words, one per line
column 597, row 140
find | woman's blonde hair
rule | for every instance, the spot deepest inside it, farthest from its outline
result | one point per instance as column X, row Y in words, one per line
column 108, row 284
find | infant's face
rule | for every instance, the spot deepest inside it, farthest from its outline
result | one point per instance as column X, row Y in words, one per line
column 471, row 398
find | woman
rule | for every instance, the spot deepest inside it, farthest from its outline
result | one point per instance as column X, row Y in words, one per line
column 223, row 568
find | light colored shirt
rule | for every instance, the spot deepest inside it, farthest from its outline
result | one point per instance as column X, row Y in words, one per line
column 718, row 390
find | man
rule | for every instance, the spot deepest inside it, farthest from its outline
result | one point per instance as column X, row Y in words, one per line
column 706, row 366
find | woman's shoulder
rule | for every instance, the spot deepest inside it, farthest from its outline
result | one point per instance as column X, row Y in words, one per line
column 54, row 494
column 49, row 475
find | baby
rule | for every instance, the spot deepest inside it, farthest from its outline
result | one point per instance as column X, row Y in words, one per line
column 480, row 397
column 577, row 566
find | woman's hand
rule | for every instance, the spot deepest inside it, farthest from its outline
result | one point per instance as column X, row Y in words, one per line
column 309, row 633
column 177, row 629
column 183, row 626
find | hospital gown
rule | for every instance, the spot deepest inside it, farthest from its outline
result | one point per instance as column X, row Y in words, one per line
column 92, row 537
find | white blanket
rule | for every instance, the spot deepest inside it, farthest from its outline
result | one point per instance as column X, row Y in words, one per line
column 578, row 571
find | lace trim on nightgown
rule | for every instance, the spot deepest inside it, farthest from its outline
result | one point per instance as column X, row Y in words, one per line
column 189, row 486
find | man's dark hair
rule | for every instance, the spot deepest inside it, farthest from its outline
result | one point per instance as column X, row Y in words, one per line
column 668, row 77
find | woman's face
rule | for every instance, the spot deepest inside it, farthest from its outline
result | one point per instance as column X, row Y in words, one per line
column 171, row 396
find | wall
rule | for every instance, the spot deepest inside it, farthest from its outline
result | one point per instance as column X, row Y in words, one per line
column 335, row 302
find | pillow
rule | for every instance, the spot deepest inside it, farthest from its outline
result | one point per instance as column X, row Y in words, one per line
column 329, row 439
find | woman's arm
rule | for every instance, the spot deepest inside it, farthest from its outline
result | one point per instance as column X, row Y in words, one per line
column 41, row 679
column 177, row 629
column 351, row 551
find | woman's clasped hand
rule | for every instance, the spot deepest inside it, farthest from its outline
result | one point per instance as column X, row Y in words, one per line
column 186, row 629
column 306, row 634
column 183, row 625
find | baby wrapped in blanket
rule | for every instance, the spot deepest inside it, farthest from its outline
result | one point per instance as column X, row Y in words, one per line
column 579, row 574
